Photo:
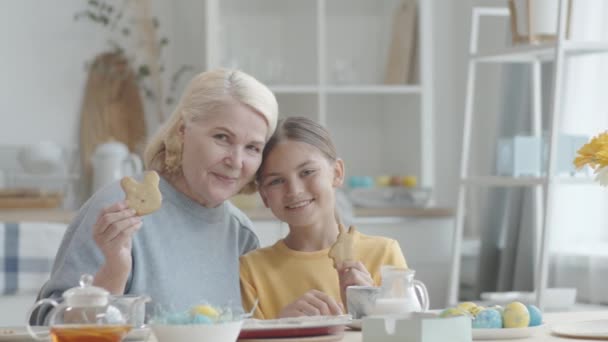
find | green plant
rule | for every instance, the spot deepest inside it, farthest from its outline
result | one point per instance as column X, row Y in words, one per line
column 121, row 30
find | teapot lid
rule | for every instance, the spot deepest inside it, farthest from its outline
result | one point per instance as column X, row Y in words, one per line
column 86, row 294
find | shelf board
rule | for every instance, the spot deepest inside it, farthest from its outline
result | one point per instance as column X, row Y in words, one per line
column 542, row 52
column 507, row 182
column 373, row 89
column 294, row 89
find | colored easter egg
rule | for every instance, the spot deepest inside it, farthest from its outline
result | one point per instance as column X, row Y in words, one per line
column 475, row 310
column 201, row 319
column 367, row 182
column 205, row 310
column 452, row 312
column 383, row 181
column 516, row 315
column 487, row 319
column 395, row 181
column 536, row 316
column 466, row 306
column 409, row 181
column 498, row 308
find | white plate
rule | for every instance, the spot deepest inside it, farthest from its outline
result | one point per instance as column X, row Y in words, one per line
column 295, row 322
column 585, row 329
column 505, row 333
column 20, row 333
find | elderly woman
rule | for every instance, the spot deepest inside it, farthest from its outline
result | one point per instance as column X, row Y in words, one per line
column 187, row 251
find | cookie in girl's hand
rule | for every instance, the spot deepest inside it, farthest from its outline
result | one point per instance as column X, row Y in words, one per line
column 344, row 247
column 144, row 197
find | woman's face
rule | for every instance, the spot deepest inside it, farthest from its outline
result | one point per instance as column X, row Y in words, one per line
column 221, row 153
column 298, row 183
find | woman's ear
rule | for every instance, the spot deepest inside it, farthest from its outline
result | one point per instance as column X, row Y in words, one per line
column 338, row 173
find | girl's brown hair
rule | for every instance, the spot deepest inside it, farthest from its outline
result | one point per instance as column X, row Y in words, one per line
column 303, row 130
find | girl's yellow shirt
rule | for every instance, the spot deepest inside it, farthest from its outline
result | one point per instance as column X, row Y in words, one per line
column 278, row 275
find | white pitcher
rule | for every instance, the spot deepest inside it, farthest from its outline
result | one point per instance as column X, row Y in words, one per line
column 112, row 161
column 400, row 293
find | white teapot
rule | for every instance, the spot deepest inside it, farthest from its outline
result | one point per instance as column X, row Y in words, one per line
column 112, row 161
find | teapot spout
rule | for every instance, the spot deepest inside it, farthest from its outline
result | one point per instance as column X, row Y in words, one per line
column 133, row 307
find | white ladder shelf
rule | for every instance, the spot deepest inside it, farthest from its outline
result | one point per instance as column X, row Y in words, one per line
column 556, row 52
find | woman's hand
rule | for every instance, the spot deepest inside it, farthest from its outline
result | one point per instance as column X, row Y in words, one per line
column 312, row 303
column 113, row 234
column 352, row 273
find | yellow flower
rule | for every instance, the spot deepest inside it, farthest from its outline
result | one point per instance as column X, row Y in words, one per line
column 594, row 153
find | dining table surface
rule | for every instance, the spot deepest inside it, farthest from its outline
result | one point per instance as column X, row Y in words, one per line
column 543, row 333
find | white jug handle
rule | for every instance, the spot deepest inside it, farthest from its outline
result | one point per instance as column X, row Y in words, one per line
column 423, row 294
column 35, row 335
column 134, row 161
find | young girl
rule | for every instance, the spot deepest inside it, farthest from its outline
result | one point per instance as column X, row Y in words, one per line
column 295, row 277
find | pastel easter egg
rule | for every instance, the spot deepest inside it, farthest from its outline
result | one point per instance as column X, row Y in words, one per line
column 201, row 319
column 409, row 181
column 395, row 181
column 383, row 181
column 205, row 310
column 536, row 316
column 467, row 306
column 487, row 319
column 475, row 310
column 516, row 315
column 452, row 312
column 498, row 308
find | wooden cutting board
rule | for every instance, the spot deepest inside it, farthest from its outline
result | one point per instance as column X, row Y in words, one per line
column 112, row 109
column 402, row 50
column 29, row 198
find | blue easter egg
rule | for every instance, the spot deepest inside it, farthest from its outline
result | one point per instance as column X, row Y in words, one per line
column 201, row 319
column 536, row 316
column 367, row 182
column 354, row 182
column 488, row 319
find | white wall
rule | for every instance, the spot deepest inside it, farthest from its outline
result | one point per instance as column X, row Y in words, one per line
column 42, row 68
column 44, row 51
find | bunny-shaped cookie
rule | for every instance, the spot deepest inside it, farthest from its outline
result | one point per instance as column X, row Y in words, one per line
column 344, row 247
column 144, row 197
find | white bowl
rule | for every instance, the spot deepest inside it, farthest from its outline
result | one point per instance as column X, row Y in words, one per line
column 220, row 332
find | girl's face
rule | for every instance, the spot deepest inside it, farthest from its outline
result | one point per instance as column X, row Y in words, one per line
column 221, row 153
column 298, row 183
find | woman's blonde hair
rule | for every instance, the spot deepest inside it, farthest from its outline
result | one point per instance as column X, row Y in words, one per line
column 208, row 92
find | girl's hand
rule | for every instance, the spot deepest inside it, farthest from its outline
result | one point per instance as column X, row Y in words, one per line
column 113, row 234
column 312, row 303
column 352, row 273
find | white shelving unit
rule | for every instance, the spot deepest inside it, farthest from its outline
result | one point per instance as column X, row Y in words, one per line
column 325, row 59
column 557, row 53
